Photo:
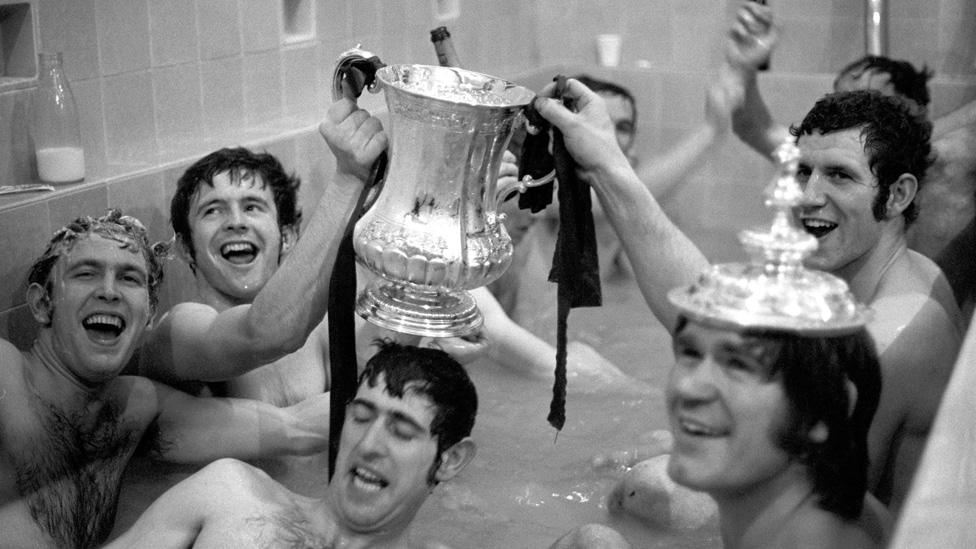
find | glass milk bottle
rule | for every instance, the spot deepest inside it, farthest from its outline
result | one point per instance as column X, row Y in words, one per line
column 56, row 131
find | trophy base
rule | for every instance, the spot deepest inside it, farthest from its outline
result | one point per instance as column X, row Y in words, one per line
column 428, row 314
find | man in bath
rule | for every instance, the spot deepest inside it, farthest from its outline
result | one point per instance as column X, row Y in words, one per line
column 770, row 412
column 262, row 291
column 69, row 423
column 946, row 229
column 862, row 158
column 256, row 329
column 406, row 430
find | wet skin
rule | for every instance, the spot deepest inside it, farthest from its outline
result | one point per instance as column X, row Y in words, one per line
column 385, row 460
column 839, row 191
column 725, row 411
column 236, row 239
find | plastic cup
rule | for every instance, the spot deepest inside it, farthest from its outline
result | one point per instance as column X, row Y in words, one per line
column 608, row 49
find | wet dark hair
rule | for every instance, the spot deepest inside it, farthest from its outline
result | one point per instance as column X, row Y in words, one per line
column 433, row 374
column 239, row 162
column 906, row 81
column 814, row 372
column 128, row 231
column 897, row 138
column 605, row 87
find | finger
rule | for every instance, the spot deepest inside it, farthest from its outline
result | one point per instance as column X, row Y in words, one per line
column 554, row 111
column 340, row 110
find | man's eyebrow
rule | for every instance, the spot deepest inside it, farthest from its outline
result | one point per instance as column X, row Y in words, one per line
column 402, row 417
column 203, row 204
column 363, row 402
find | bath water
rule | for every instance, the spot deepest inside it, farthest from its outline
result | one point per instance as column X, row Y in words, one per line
column 528, row 484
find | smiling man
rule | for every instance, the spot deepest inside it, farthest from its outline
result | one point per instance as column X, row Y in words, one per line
column 69, row 423
column 862, row 158
column 946, row 230
column 406, row 430
column 260, row 290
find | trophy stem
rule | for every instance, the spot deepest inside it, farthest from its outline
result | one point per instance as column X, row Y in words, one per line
column 408, row 310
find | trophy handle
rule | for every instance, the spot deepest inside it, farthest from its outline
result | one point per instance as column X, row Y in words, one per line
column 355, row 70
column 520, row 185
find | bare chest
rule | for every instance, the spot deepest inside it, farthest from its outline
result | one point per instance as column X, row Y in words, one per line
column 63, row 474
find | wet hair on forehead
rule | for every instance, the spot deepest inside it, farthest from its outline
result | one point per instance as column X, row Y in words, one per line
column 753, row 343
column 243, row 166
column 128, row 231
column 430, row 373
column 896, row 135
column 814, row 372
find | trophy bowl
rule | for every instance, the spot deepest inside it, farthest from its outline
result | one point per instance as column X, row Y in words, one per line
column 434, row 231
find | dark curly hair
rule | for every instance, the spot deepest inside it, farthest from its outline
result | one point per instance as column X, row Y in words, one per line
column 127, row 230
column 897, row 137
column 435, row 375
column 239, row 162
column 906, row 81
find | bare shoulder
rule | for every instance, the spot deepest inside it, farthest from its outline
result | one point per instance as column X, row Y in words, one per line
column 824, row 530
column 11, row 358
column 915, row 306
column 230, row 483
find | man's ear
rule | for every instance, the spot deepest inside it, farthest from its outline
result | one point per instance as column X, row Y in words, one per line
column 900, row 195
column 182, row 250
column 455, row 458
column 39, row 302
column 288, row 238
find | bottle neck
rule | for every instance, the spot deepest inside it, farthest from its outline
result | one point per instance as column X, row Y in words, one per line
column 444, row 46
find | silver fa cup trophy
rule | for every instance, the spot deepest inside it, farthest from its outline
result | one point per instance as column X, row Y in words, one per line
column 434, row 231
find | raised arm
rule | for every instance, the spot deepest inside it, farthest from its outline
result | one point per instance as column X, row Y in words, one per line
column 188, row 429
column 661, row 255
column 962, row 117
column 664, row 172
column 194, row 342
column 751, row 41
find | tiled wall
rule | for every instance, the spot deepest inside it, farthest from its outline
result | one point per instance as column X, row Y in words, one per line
column 161, row 82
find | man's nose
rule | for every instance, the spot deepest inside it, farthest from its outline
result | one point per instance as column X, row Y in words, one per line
column 107, row 290
column 695, row 383
column 235, row 220
column 813, row 191
column 374, row 439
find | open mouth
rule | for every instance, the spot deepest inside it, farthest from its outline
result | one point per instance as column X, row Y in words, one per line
column 697, row 429
column 368, row 481
column 818, row 227
column 239, row 253
column 103, row 327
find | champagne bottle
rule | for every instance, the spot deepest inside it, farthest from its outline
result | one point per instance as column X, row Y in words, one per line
column 446, row 54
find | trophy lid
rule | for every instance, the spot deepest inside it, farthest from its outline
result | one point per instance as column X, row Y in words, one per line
column 774, row 290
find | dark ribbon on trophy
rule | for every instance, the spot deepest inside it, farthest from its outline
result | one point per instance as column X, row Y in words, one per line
column 351, row 78
column 575, row 266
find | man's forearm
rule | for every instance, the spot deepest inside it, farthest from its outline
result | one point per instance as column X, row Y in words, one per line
column 753, row 123
column 295, row 299
column 661, row 255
